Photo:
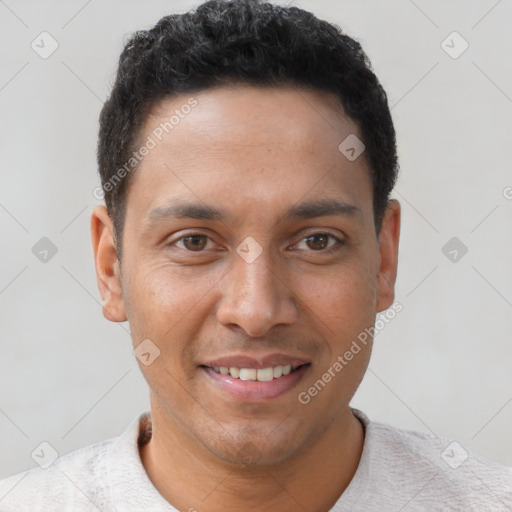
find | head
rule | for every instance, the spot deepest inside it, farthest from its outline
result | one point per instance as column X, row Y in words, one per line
column 237, row 220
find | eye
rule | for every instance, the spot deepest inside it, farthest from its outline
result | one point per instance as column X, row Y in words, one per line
column 319, row 242
column 194, row 243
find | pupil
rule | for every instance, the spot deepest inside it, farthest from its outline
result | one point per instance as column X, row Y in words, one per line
column 195, row 245
column 323, row 241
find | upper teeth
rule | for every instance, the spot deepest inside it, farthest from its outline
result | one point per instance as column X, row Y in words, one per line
column 261, row 374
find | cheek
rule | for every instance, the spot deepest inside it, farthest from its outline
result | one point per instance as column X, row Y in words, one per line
column 162, row 297
column 341, row 305
column 344, row 296
column 170, row 306
column 342, row 308
column 168, row 309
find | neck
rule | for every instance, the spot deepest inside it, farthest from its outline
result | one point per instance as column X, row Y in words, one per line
column 192, row 479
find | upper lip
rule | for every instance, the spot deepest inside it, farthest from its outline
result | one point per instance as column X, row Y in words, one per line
column 255, row 361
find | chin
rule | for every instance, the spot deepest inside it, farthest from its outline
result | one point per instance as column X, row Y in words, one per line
column 254, row 447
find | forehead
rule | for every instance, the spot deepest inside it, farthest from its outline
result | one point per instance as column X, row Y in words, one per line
column 273, row 117
column 247, row 146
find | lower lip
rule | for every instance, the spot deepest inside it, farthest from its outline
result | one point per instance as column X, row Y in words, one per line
column 256, row 391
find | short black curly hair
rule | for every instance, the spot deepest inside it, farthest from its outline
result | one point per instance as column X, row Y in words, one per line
column 227, row 42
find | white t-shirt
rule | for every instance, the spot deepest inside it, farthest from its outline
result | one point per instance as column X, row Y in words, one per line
column 399, row 470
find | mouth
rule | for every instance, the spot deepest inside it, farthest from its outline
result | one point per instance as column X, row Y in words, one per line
column 252, row 380
column 256, row 374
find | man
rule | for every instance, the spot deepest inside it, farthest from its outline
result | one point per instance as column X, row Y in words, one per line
column 247, row 155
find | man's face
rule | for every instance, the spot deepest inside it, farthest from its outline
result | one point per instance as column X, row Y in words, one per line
column 252, row 287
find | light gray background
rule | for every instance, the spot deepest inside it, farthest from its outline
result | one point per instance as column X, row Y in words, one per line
column 444, row 364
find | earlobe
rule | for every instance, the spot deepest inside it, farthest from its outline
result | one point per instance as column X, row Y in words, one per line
column 108, row 275
column 388, row 255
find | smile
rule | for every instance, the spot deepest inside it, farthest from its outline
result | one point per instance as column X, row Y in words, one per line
column 257, row 374
column 255, row 384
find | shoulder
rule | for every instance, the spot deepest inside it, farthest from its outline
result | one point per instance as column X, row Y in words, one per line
column 89, row 478
column 438, row 470
column 71, row 478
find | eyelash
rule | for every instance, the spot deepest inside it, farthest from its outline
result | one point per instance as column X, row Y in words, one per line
column 335, row 248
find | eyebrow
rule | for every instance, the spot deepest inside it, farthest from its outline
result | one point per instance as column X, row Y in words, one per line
column 321, row 208
column 199, row 211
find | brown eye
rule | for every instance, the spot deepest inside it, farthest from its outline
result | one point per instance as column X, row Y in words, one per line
column 195, row 242
column 323, row 243
column 318, row 241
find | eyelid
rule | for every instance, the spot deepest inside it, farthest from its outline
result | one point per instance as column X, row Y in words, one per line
column 187, row 235
column 340, row 241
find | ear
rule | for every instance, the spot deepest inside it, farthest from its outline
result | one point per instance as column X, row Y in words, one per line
column 388, row 255
column 107, row 265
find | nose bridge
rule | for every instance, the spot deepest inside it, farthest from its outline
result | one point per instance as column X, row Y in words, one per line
column 256, row 298
column 256, row 280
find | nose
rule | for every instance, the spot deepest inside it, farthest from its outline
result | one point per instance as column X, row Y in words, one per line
column 256, row 297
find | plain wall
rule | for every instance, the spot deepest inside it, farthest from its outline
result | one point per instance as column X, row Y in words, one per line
column 69, row 377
